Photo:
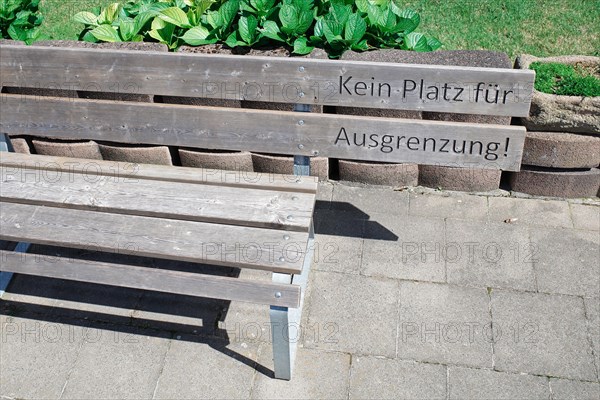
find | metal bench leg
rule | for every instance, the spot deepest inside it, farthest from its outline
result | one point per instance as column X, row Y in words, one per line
column 5, row 277
column 285, row 323
column 285, row 340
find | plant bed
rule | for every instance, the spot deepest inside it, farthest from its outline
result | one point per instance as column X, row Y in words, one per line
column 68, row 148
column 21, row 144
column 561, row 113
column 562, row 147
column 139, row 154
column 567, row 183
column 561, row 150
column 388, row 174
column 213, row 159
column 281, row 164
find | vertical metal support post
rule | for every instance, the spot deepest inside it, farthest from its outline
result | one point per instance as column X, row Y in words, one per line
column 5, row 277
column 285, row 343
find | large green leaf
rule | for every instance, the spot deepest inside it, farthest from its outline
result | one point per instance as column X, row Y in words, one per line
column 340, row 12
column 433, row 43
column 355, row 29
column 86, row 18
column 175, row 16
column 227, row 12
column 301, row 46
column 417, row 42
column 288, row 15
column 271, row 30
column 262, row 5
column 106, row 33
column 109, row 14
column 126, row 27
column 305, row 20
column 197, row 36
column 247, row 27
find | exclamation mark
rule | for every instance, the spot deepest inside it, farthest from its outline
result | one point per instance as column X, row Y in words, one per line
column 506, row 147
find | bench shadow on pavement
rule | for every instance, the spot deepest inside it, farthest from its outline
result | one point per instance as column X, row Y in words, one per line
column 145, row 313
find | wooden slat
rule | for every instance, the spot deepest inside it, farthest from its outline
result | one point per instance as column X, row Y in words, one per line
column 184, row 201
column 228, row 245
column 177, row 282
column 327, row 135
column 278, row 79
column 130, row 172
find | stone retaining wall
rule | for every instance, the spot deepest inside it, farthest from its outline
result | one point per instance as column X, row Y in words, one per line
column 561, row 156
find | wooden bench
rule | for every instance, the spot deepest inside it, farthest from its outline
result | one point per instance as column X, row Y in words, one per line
column 260, row 221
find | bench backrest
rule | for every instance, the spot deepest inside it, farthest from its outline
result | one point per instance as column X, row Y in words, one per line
column 467, row 90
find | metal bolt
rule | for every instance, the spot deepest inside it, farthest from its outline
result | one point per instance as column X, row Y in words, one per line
column 315, row 153
column 300, row 146
column 286, row 237
column 290, row 217
column 301, row 122
column 301, row 69
column 294, row 197
column 277, row 295
column 281, row 259
column 301, row 94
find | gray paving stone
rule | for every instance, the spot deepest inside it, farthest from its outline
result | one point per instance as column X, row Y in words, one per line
column 382, row 378
column 492, row 255
column 117, row 364
column 585, row 217
column 444, row 324
column 530, row 211
column 453, row 205
column 339, row 223
column 316, row 375
column 541, row 334
column 207, row 370
column 324, row 195
column 563, row 389
column 567, row 263
column 479, row 384
column 36, row 357
column 170, row 312
column 337, row 254
column 365, row 200
column 416, row 254
column 354, row 314
column 592, row 312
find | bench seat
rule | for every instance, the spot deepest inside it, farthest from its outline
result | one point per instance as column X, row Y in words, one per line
column 257, row 221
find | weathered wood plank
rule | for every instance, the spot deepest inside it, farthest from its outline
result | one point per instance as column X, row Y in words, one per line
column 177, row 282
column 130, row 172
column 490, row 91
column 338, row 136
column 182, row 201
column 228, row 245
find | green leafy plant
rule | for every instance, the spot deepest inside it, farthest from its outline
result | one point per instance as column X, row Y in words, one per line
column 567, row 80
column 302, row 25
column 20, row 20
column 340, row 29
column 294, row 19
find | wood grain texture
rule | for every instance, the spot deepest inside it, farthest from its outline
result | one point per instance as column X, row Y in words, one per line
column 267, row 131
column 15, row 162
column 227, row 245
column 129, row 276
column 174, row 200
column 276, row 79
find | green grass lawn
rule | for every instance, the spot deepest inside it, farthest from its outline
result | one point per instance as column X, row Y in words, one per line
column 539, row 27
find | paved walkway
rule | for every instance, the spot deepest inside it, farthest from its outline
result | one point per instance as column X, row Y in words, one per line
column 412, row 295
